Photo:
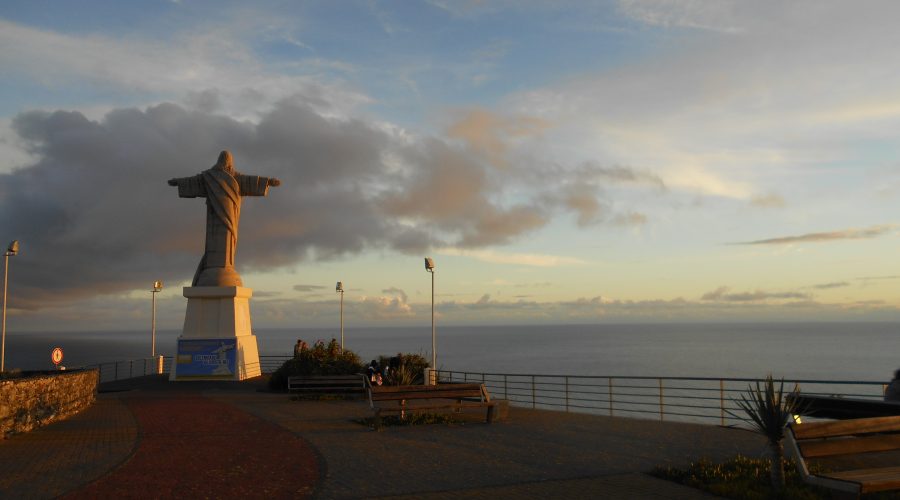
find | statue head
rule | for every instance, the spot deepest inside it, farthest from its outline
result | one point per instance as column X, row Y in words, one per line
column 225, row 162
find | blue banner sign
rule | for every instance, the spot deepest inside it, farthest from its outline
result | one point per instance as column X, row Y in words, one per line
column 206, row 358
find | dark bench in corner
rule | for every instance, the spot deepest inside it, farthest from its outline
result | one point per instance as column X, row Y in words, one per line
column 855, row 442
column 403, row 399
column 327, row 384
column 842, row 408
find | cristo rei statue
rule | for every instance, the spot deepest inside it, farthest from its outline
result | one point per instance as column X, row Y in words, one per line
column 217, row 341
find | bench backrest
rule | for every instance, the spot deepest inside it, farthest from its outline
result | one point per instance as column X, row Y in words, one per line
column 845, row 437
column 327, row 381
column 440, row 391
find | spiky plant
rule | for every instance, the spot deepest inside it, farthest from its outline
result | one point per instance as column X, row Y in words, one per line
column 770, row 411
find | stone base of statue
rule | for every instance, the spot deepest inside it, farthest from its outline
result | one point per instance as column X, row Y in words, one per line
column 216, row 342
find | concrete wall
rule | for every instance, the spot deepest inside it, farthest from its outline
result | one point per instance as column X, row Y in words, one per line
column 39, row 398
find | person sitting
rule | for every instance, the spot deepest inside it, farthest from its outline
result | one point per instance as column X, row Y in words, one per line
column 374, row 370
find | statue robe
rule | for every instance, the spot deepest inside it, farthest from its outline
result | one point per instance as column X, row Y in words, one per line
column 223, row 192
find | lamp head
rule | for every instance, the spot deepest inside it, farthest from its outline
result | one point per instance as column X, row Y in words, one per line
column 157, row 286
column 13, row 248
column 429, row 264
column 339, row 287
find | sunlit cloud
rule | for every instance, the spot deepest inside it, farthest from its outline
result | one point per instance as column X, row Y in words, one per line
column 845, row 234
column 722, row 294
column 828, row 286
column 512, row 258
column 768, row 201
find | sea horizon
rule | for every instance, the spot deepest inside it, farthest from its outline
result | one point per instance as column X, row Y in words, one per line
column 848, row 350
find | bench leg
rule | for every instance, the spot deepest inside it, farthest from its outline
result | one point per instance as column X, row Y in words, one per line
column 490, row 414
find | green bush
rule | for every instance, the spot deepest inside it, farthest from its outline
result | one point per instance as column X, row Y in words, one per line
column 742, row 478
column 411, row 370
column 320, row 359
column 412, row 419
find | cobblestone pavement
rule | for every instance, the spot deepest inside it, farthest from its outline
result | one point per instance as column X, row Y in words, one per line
column 52, row 460
column 531, row 454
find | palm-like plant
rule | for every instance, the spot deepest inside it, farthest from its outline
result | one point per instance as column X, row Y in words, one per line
column 770, row 413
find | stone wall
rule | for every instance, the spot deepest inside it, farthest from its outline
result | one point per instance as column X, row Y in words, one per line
column 39, row 398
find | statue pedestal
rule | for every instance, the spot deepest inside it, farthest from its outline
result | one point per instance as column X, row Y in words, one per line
column 216, row 342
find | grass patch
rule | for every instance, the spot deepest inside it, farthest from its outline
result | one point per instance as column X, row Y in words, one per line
column 326, row 397
column 412, row 419
column 743, row 478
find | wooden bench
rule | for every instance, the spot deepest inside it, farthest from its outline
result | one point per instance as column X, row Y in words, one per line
column 416, row 398
column 327, row 384
column 843, row 408
column 853, row 441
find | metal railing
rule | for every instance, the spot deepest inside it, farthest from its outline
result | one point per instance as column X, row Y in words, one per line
column 130, row 368
column 684, row 399
column 268, row 364
column 118, row 370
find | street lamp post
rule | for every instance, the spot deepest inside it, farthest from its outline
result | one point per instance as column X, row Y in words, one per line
column 339, row 287
column 12, row 249
column 157, row 287
column 429, row 266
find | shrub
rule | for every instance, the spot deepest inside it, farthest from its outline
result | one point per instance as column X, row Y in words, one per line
column 412, row 419
column 741, row 478
column 320, row 359
column 770, row 412
column 410, row 369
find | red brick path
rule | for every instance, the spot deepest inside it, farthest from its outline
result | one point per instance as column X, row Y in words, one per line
column 194, row 447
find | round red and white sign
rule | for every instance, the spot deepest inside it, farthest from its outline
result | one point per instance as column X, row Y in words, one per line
column 56, row 356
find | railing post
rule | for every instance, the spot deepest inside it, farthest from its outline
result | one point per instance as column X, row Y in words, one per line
column 567, row 393
column 661, row 410
column 533, row 400
column 722, row 401
column 609, row 381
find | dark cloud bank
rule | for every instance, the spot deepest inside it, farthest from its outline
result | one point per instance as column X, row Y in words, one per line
column 95, row 215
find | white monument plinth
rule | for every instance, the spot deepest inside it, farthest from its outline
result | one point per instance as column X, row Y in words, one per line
column 217, row 342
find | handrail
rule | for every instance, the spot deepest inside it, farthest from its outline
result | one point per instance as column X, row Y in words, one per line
column 691, row 399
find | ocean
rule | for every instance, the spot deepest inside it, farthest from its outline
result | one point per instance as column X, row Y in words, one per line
column 834, row 351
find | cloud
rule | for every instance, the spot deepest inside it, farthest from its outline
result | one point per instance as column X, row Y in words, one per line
column 521, row 259
column 97, row 189
column 721, row 295
column 767, row 201
column 845, row 234
column 488, row 134
column 828, row 286
column 381, row 308
column 309, row 288
column 397, row 292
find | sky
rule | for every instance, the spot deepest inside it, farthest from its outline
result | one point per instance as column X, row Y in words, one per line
column 561, row 162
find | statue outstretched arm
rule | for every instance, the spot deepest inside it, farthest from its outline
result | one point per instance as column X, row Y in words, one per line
column 256, row 185
column 189, row 187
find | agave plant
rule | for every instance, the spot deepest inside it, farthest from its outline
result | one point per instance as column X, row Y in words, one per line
column 770, row 411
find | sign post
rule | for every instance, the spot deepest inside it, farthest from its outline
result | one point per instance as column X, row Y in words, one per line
column 56, row 356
